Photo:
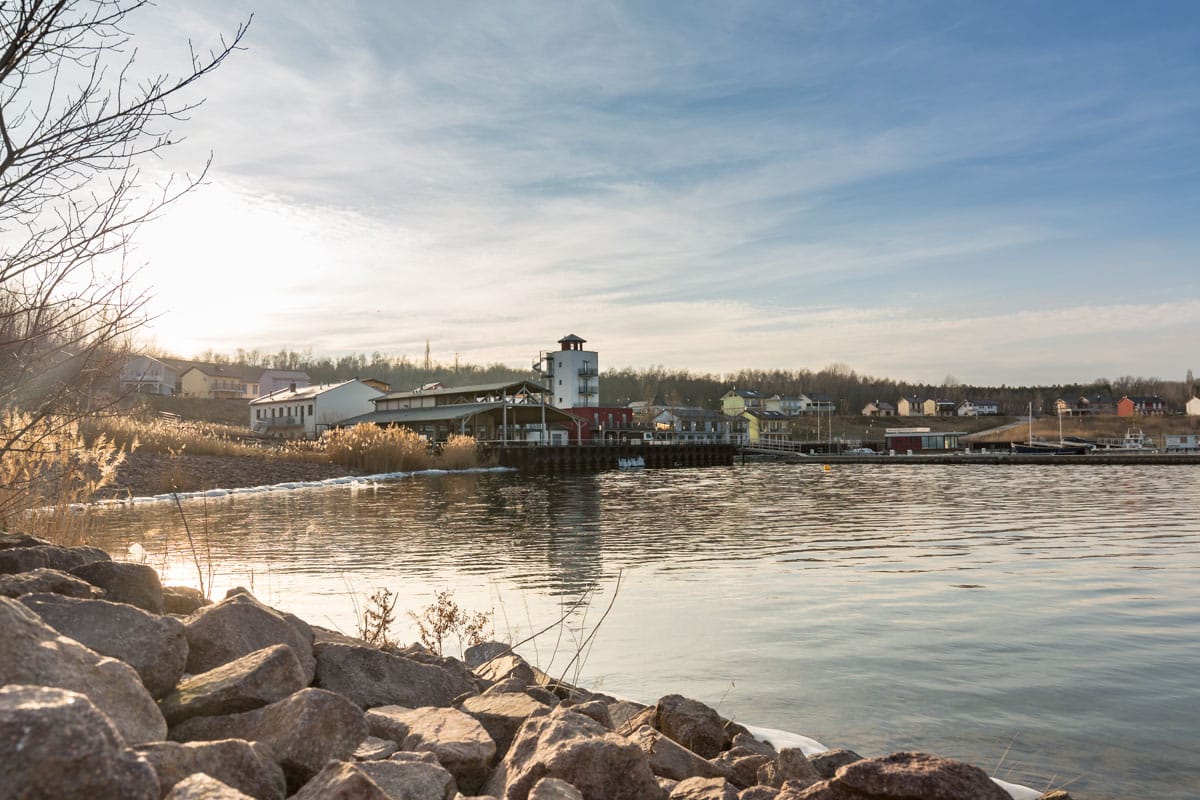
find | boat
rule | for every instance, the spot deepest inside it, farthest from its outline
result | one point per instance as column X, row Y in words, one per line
column 1134, row 441
column 1042, row 447
column 636, row 462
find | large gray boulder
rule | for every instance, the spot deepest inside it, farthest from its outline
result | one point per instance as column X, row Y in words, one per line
column 704, row 789
column 232, row 761
column 204, row 787
column 42, row 581
column 55, row 743
column 578, row 750
column 36, row 654
column 370, row 677
column 742, row 766
column 459, row 742
column 669, row 759
column 790, row 765
column 504, row 667
column 502, row 715
column 48, row 556
column 240, row 625
column 183, row 600
column 829, row 762
column 300, row 733
column 691, row 724
column 246, row 683
column 379, row 780
column 153, row 645
column 554, row 789
column 911, row 774
column 124, row 582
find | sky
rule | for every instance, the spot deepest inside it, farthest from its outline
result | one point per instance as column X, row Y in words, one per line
column 1006, row 193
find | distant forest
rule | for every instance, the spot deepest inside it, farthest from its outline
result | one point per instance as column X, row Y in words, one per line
column 680, row 387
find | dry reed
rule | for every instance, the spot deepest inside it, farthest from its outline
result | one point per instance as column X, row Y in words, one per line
column 370, row 448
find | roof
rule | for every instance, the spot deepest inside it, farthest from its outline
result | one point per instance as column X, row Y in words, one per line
column 476, row 389
column 570, row 337
column 300, row 393
column 760, row 413
column 237, row 371
column 745, row 393
column 451, row 413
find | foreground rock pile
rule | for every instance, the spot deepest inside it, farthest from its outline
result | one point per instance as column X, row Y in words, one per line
column 113, row 687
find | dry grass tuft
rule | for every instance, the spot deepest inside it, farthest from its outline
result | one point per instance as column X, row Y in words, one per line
column 373, row 449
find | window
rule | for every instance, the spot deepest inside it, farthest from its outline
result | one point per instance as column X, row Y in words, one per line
column 310, row 409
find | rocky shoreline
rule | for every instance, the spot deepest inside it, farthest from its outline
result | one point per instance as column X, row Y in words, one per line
column 112, row 686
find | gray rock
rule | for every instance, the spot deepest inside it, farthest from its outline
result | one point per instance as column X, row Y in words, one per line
column 502, row 715
column 183, row 600
column 405, row 779
column 55, row 743
column 827, row 763
column 234, row 762
column 759, row 793
column 246, row 683
column 300, row 733
column 742, row 765
column 671, row 760
column 36, row 654
column 460, row 743
column 790, row 766
column 373, row 748
column 11, row 540
column 153, row 645
column 749, row 743
column 628, row 716
column 123, row 582
column 42, row 581
column 204, row 787
column 704, row 789
column 484, row 651
column 48, row 556
column 238, row 626
column 370, row 677
column 690, row 723
column 578, row 750
column 388, row 722
column 340, row 780
column 504, row 667
column 910, row 774
column 596, row 709
column 554, row 789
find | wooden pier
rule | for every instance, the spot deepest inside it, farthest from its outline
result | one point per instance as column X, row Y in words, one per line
column 597, row 457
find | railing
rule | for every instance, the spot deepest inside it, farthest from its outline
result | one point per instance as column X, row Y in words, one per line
column 588, row 372
column 585, row 388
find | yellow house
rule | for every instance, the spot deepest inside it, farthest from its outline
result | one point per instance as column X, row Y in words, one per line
column 736, row 402
column 221, row 381
column 766, row 426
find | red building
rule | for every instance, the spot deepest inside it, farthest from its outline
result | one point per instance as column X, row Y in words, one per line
column 1141, row 406
column 602, row 424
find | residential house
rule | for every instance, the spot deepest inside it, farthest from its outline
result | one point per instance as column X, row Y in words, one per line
column 1141, row 406
column 272, row 380
column 736, row 402
column 1096, row 405
column 938, row 408
column 789, row 405
column 700, row 425
column 1193, row 407
column 148, row 375
column 911, row 406
column 221, row 381
column 978, row 408
column 821, row 404
column 879, row 408
column 764, row 426
column 305, row 412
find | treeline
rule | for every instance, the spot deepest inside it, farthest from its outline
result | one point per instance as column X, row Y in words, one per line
column 680, row 387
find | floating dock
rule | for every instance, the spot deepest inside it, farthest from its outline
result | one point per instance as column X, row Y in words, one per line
column 598, row 457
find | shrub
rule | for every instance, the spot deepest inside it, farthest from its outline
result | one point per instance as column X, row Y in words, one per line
column 371, row 448
column 459, row 452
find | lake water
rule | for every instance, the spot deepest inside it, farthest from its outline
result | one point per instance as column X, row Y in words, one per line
column 1041, row 622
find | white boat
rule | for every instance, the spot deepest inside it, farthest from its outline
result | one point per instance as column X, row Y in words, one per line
column 1134, row 440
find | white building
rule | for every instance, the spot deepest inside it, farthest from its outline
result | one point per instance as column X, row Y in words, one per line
column 572, row 374
column 147, row 375
column 1193, row 407
column 306, row 412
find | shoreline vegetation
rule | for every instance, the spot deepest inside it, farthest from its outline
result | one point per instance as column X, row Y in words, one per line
column 124, row 688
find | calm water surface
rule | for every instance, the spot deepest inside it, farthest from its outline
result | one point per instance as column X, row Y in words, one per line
column 1042, row 622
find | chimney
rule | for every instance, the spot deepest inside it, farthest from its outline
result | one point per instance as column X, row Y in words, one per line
column 292, row 386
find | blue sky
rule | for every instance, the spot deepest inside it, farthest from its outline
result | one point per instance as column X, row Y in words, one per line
column 1003, row 192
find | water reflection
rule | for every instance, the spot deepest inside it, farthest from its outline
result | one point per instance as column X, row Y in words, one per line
column 1042, row 611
